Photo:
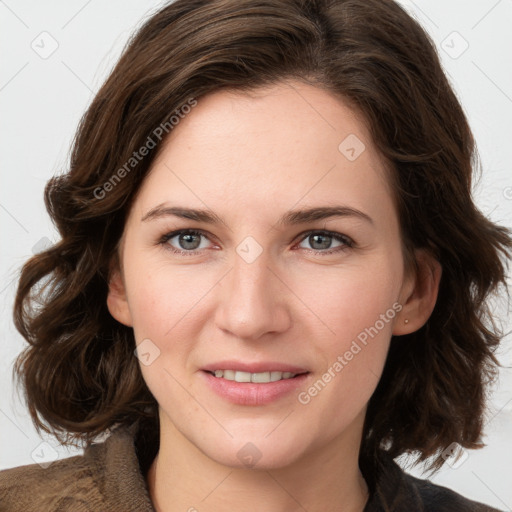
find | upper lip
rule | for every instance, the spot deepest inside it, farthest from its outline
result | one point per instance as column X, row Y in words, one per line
column 256, row 367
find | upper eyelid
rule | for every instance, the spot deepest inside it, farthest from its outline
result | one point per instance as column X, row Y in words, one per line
column 172, row 234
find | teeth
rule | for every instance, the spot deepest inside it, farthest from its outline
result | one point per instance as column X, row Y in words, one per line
column 260, row 378
column 275, row 376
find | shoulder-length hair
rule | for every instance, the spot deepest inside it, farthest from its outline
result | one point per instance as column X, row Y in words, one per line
column 79, row 372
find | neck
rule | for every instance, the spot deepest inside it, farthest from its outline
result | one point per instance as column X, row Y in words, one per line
column 326, row 480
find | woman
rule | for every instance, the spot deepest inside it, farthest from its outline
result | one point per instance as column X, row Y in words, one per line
column 270, row 202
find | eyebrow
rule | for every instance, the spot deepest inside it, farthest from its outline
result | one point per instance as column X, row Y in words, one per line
column 291, row 217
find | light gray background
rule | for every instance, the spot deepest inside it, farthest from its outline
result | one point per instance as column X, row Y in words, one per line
column 42, row 97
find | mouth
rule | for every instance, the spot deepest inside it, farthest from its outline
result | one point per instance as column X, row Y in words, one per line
column 247, row 388
column 246, row 382
column 257, row 378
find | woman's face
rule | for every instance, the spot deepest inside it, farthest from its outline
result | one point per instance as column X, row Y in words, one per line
column 254, row 284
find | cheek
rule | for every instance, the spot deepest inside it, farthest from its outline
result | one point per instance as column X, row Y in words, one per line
column 356, row 312
column 346, row 301
column 163, row 300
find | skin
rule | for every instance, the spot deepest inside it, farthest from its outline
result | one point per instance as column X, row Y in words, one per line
column 249, row 158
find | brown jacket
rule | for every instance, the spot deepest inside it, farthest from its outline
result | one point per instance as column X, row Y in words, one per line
column 108, row 477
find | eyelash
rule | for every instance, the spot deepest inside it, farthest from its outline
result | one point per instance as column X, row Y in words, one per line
column 347, row 242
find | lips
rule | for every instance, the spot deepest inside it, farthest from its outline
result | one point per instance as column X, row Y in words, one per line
column 256, row 367
column 258, row 383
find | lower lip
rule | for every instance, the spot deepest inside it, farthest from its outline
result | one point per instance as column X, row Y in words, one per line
column 249, row 393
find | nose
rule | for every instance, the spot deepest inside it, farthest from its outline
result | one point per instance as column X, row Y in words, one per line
column 253, row 300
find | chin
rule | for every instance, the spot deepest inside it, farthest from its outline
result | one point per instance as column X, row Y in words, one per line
column 256, row 452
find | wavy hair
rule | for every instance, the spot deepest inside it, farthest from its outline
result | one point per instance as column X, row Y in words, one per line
column 79, row 373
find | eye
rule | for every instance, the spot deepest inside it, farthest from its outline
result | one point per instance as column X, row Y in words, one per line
column 190, row 242
column 322, row 242
column 185, row 241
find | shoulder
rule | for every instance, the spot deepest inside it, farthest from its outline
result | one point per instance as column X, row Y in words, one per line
column 394, row 489
column 67, row 484
column 441, row 499
column 106, row 477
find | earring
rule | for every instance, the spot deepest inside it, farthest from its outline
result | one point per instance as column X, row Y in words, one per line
column 406, row 321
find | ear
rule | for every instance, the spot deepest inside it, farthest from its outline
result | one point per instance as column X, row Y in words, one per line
column 117, row 301
column 419, row 294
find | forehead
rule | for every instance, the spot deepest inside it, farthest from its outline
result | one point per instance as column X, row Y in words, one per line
column 281, row 145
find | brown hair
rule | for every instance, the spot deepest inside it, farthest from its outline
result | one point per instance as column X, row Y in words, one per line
column 79, row 372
